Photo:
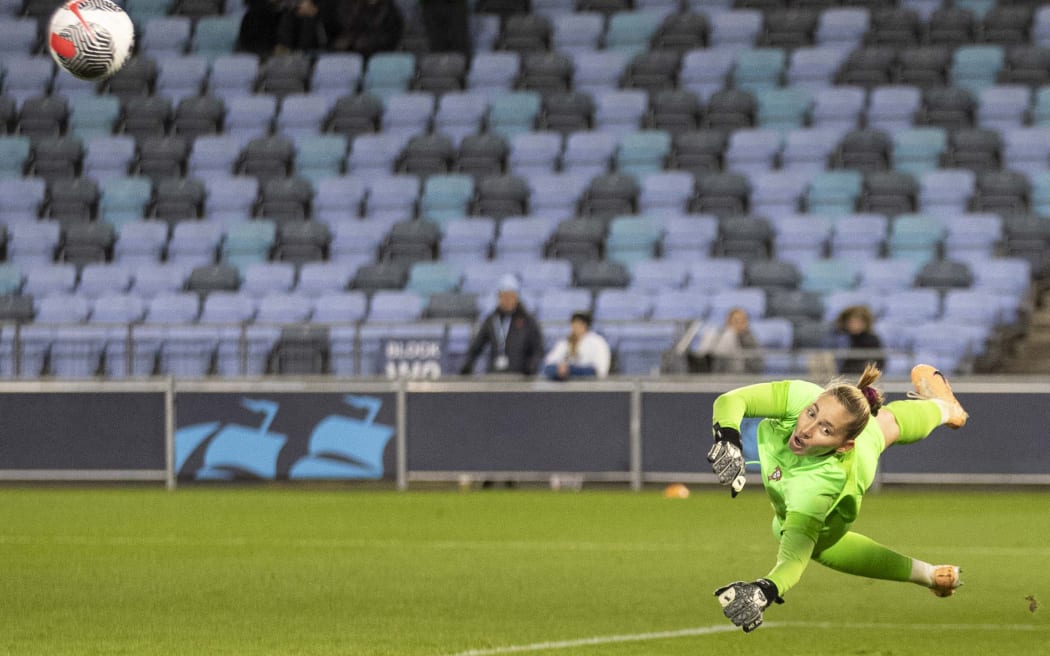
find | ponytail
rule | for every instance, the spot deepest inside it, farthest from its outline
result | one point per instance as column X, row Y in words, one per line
column 862, row 399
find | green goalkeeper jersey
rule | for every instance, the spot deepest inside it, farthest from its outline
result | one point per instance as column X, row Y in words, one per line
column 815, row 499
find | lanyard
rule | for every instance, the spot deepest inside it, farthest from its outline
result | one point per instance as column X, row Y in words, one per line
column 502, row 329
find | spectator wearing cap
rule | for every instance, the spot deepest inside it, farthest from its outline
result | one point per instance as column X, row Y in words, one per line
column 582, row 354
column 511, row 334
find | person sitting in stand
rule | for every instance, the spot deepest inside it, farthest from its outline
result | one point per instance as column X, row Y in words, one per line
column 582, row 354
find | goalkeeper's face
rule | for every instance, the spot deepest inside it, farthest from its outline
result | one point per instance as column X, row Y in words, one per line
column 821, row 429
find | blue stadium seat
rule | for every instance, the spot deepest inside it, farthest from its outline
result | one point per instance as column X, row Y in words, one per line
column 631, row 31
column 800, row 238
column 919, row 149
column 374, row 154
column 834, row 193
column 842, row 26
column 460, row 114
column 751, row 299
column 33, row 243
column 446, row 197
column 194, row 243
column 665, row 192
column 654, row 275
column 232, row 75
column 388, row 73
column 619, row 111
column 778, row 192
column 680, row 304
column 705, row 71
column 512, row 113
column 103, row 278
column 492, row 73
column 758, row 68
column 141, row 242
column 248, row 242
column 534, row 152
column 859, row 237
column 888, row 275
column 93, row 116
column 578, row 32
column 468, row 240
column 753, row 150
column 689, row 236
column 783, row 108
column 428, row 278
column 302, row 114
column 409, row 113
column 215, row 36
column 915, row 236
column 14, row 155
column 392, row 198
column 813, row 68
column 716, row 273
column 165, row 35
column 841, row 107
column 1001, row 107
column 181, row 76
column 588, row 152
column 21, row 199
column 632, row 238
column 809, row 149
column 945, row 192
column 642, row 152
column 320, row 277
column 249, row 116
column 976, row 67
column 264, row 278
column 893, row 107
column 337, row 74
column 826, row 275
column 738, row 28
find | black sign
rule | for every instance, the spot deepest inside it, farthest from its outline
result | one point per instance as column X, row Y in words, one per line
column 82, row 431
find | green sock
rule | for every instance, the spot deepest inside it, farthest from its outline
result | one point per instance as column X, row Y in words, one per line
column 916, row 418
column 861, row 556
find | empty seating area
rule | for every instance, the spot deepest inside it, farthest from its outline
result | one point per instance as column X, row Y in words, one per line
column 206, row 212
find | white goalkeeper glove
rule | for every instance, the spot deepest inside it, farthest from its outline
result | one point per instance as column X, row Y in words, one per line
column 743, row 603
column 727, row 458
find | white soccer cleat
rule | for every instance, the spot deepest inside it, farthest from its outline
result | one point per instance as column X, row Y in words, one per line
column 945, row 580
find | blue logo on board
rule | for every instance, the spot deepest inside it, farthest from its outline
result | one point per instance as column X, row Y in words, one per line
column 339, row 447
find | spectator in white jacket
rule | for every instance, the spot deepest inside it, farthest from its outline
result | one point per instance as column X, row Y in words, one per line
column 583, row 354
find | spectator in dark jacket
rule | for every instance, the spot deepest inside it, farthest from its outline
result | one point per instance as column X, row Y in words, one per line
column 855, row 332
column 513, row 335
column 364, row 26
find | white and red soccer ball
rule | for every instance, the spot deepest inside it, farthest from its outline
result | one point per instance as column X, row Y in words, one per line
column 91, row 39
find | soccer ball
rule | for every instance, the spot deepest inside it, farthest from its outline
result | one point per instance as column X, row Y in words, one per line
column 91, row 39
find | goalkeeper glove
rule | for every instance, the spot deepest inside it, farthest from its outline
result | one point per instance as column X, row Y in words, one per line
column 743, row 603
column 727, row 458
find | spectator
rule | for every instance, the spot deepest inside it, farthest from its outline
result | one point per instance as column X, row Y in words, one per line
column 854, row 325
column 364, row 26
column 447, row 23
column 300, row 27
column 258, row 30
column 728, row 349
column 583, row 354
column 513, row 335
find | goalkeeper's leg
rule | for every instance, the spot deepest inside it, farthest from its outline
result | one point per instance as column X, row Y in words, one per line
column 909, row 421
column 859, row 555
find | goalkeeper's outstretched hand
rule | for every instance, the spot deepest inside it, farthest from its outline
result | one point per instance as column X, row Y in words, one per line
column 743, row 603
column 727, row 458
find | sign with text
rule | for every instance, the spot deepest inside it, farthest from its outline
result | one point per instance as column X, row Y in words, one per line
column 413, row 359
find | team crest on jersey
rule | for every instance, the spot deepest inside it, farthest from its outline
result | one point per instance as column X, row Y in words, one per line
column 776, row 475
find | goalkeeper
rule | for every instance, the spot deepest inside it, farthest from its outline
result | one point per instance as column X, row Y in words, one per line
column 819, row 449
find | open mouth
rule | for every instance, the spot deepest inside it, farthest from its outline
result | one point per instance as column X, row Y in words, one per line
column 796, row 442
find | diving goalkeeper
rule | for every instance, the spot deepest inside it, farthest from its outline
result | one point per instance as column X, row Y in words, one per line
column 819, row 448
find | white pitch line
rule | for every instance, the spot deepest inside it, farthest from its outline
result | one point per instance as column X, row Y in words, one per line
column 729, row 628
column 453, row 545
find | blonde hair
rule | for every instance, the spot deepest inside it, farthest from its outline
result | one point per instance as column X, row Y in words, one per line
column 861, row 399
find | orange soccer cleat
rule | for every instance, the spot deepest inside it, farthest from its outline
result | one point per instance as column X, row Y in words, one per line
column 931, row 384
column 945, row 580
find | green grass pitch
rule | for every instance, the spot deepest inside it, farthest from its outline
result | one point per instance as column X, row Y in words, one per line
column 440, row 572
